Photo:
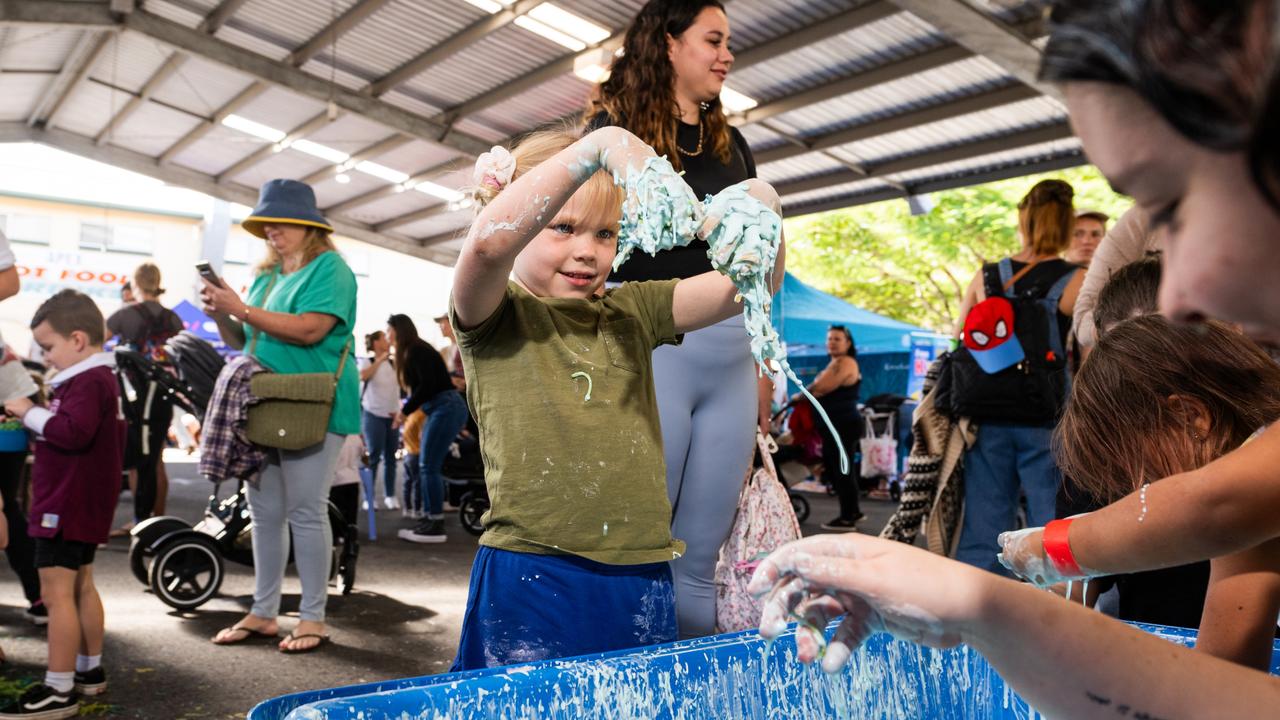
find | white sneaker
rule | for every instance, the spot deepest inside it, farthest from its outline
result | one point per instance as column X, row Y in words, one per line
column 391, row 503
column 364, row 505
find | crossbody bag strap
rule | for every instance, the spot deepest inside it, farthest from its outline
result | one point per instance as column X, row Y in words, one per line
column 346, row 350
column 266, row 295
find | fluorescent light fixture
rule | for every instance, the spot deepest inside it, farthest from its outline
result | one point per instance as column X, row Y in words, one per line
column 321, row 151
column 342, row 178
column 440, row 191
column 593, row 65
column 258, row 130
column 550, row 33
column 734, row 101
column 382, row 171
column 490, row 6
column 556, row 17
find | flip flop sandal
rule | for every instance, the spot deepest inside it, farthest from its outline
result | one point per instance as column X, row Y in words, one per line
column 324, row 640
column 250, row 634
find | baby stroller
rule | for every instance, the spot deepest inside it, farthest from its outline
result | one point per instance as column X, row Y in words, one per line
column 463, row 471
column 183, row 564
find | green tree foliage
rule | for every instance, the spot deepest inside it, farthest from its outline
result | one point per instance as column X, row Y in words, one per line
column 916, row 269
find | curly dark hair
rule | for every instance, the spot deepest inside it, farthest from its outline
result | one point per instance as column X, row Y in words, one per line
column 640, row 91
column 1199, row 64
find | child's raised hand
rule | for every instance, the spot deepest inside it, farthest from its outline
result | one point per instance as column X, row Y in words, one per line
column 18, row 407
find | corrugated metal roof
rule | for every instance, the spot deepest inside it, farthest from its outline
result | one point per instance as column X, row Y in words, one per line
column 152, row 128
column 293, row 20
column 394, row 205
column 20, row 92
column 417, row 24
column 201, row 86
column 491, row 62
column 37, row 48
column 400, row 30
column 545, row 103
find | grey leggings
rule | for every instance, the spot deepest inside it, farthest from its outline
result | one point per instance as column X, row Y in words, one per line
column 707, row 402
column 293, row 493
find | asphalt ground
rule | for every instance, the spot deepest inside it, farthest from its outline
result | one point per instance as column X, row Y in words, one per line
column 402, row 620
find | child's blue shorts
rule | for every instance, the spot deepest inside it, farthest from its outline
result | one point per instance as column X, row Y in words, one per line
column 523, row 607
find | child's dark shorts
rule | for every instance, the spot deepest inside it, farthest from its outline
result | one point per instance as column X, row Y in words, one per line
column 58, row 552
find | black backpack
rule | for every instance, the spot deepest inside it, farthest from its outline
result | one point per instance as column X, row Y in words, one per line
column 1032, row 392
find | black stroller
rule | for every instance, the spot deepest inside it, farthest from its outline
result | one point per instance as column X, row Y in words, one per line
column 183, row 563
column 464, row 479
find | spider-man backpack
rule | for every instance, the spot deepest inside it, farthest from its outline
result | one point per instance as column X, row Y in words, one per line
column 1012, row 366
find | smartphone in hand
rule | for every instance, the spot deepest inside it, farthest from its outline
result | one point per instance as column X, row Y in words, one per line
column 206, row 272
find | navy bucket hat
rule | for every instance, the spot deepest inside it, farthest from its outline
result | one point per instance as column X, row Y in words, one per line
column 285, row 201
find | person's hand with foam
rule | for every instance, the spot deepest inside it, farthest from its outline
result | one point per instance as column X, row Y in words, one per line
column 876, row 584
column 659, row 210
column 1041, row 555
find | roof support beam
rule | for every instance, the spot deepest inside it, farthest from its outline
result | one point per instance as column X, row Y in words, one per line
column 389, row 190
column 924, row 62
column 369, row 152
column 1011, row 141
column 210, row 25
column 231, row 192
column 415, row 216
column 244, row 97
column 326, row 37
column 844, row 22
column 443, row 238
column 453, row 45
column 251, row 63
column 166, row 70
column 902, row 121
column 262, row 153
column 74, row 69
column 986, row 36
column 1059, row 162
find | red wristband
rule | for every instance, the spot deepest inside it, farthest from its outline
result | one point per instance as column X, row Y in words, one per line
column 1058, row 549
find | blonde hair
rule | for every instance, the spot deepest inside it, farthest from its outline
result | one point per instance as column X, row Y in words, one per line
column 1045, row 217
column 146, row 278
column 541, row 146
column 316, row 243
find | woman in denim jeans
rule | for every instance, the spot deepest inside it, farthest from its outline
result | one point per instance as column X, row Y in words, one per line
column 425, row 378
column 379, row 402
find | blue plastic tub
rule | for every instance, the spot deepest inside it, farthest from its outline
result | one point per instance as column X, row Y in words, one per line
column 725, row 676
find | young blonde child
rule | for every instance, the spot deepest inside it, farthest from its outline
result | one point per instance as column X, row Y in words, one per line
column 79, row 461
column 574, row 558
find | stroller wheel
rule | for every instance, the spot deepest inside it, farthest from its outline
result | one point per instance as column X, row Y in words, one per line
column 138, row 562
column 800, row 505
column 186, row 572
column 473, row 507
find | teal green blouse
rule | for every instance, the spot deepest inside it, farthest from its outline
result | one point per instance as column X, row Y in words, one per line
column 324, row 285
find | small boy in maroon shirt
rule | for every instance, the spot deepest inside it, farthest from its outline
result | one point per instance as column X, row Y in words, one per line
column 79, row 459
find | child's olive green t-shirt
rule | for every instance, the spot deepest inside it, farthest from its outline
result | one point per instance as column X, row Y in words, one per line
column 562, row 390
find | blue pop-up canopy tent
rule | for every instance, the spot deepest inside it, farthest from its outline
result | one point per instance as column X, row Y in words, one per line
column 891, row 353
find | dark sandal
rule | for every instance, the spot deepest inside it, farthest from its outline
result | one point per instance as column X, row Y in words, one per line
column 250, row 634
column 324, row 639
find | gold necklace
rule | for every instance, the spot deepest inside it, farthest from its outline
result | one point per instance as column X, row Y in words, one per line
column 696, row 151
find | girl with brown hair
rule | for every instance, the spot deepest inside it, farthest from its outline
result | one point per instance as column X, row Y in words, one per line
column 1010, row 455
column 1202, row 392
column 665, row 89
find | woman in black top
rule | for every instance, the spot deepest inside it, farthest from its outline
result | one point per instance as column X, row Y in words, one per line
column 425, row 379
column 665, row 88
column 144, row 326
column 837, row 388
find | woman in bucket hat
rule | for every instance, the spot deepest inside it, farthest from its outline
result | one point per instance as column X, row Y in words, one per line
column 297, row 318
